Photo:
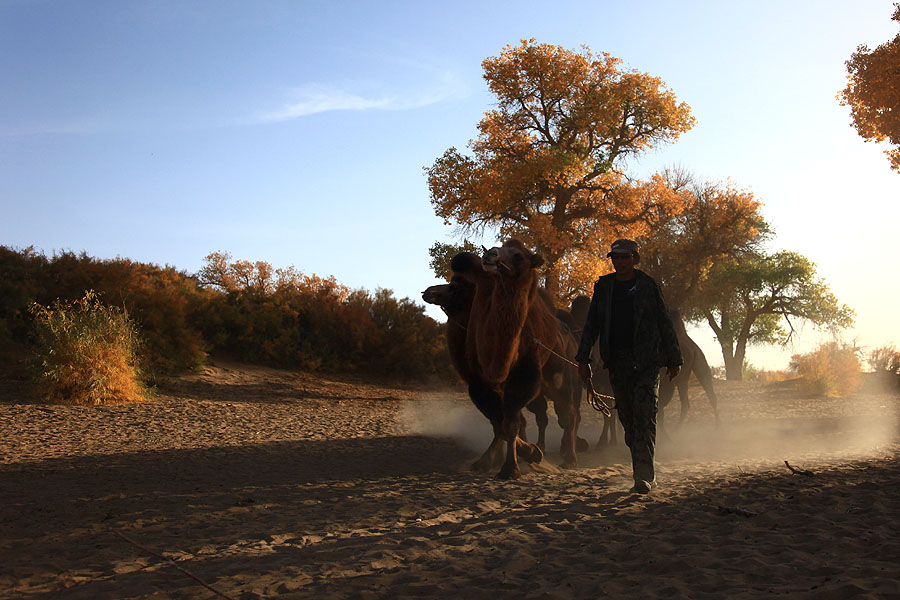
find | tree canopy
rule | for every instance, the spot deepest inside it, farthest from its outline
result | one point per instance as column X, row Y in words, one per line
column 548, row 163
column 755, row 298
column 719, row 221
column 873, row 93
column 441, row 254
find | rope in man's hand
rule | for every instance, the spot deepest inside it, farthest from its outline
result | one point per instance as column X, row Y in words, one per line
column 597, row 400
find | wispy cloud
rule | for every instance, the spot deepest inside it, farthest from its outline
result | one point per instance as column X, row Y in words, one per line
column 312, row 99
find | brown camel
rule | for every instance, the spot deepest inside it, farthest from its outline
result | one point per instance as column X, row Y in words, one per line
column 455, row 299
column 510, row 335
column 599, row 375
column 694, row 362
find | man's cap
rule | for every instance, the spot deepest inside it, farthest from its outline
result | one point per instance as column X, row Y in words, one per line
column 623, row 246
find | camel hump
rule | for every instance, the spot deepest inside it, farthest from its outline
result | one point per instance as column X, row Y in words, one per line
column 678, row 323
column 580, row 307
column 465, row 262
column 547, row 298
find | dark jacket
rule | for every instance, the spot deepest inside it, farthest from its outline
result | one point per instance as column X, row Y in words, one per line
column 655, row 342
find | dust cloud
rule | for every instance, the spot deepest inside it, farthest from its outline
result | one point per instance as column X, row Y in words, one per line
column 448, row 416
column 758, row 422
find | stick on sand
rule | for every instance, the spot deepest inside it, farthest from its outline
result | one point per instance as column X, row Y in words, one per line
column 799, row 471
column 174, row 564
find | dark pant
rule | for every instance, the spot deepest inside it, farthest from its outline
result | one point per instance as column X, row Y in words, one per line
column 637, row 400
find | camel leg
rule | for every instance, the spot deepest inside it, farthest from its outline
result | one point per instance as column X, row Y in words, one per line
column 704, row 376
column 604, row 435
column 666, row 393
column 522, row 385
column 569, row 418
column 530, row 452
column 523, row 427
column 491, row 456
column 489, row 403
column 538, row 406
column 608, row 437
column 713, row 401
column 683, row 389
column 581, row 444
column 613, row 430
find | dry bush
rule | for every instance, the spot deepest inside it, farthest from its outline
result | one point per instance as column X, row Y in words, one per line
column 243, row 310
column 885, row 361
column 832, row 369
column 162, row 301
column 285, row 318
column 86, row 353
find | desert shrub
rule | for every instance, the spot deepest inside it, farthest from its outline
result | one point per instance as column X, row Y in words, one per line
column 243, row 310
column 885, row 362
column 832, row 369
column 86, row 353
column 285, row 318
column 162, row 301
column 406, row 342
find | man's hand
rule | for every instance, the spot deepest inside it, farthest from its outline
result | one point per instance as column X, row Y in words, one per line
column 584, row 371
column 672, row 372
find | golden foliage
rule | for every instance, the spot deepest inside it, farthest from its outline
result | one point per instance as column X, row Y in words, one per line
column 831, row 370
column 873, row 93
column 719, row 221
column 286, row 318
column 86, row 353
column 546, row 165
column 247, row 310
column 885, row 360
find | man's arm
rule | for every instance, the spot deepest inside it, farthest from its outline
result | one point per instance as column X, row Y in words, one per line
column 590, row 331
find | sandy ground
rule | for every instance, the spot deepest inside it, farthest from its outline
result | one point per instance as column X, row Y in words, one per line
column 268, row 484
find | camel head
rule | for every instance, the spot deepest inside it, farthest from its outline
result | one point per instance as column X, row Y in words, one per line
column 454, row 297
column 512, row 259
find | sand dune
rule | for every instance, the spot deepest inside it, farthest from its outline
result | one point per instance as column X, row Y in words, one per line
column 268, row 484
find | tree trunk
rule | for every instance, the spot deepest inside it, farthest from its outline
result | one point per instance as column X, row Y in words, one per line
column 551, row 282
column 551, row 272
column 734, row 368
column 734, row 363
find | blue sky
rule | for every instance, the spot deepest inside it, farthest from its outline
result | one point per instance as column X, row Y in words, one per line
column 297, row 132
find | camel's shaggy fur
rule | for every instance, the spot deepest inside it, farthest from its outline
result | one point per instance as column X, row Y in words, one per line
column 455, row 299
column 509, row 331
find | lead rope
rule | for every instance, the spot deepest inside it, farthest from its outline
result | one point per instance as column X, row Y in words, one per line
column 595, row 398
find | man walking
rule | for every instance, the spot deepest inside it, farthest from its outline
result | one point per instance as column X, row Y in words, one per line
column 637, row 338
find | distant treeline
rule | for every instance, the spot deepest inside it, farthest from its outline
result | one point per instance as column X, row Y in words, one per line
column 240, row 310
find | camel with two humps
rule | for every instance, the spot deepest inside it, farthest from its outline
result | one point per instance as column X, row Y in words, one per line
column 455, row 299
column 511, row 339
